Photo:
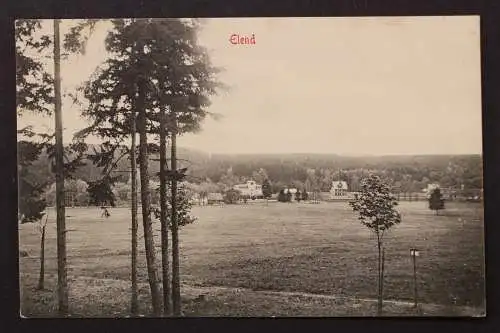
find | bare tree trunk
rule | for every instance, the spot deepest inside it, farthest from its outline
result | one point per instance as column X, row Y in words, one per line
column 163, row 213
column 134, row 304
column 379, row 302
column 382, row 279
column 176, row 294
column 42, row 260
column 146, row 203
column 62, row 281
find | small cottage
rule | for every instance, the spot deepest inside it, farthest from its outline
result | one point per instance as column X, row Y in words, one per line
column 430, row 188
column 339, row 190
column 215, row 198
column 292, row 191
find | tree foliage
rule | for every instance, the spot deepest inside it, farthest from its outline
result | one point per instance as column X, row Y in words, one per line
column 232, row 196
column 73, row 155
column 34, row 84
column 260, row 176
column 75, row 41
column 31, row 200
column 101, row 193
column 154, row 64
column 177, row 70
column 183, row 211
column 436, row 201
column 375, row 205
column 305, row 196
column 38, row 92
column 284, row 196
column 29, row 153
column 32, row 204
column 266, row 189
column 405, row 175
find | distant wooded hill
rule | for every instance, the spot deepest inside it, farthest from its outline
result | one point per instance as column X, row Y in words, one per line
column 409, row 173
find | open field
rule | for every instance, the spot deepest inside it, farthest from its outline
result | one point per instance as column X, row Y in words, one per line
column 302, row 248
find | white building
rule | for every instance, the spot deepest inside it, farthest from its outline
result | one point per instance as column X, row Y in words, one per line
column 339, row 190
column 430, row 187
column 293, row 191
column 250, row 189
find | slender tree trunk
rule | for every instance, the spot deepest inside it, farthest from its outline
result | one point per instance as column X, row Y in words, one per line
column 146, row 203
column 163, row 213
column 62, row 282
column 382, row 278
column 176, row 294
column 42, row 260
column 379, row 302
column 134, row 304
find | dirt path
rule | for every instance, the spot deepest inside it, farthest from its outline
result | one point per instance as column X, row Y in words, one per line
column 426, row 307
column 96, row 294
column 191, row 292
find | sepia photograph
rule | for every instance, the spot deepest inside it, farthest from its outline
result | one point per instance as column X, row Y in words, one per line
column 250, row 167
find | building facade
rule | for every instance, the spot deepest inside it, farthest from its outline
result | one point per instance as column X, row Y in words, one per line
column 250, row 189
column 214, row 198
column 430, row 188
column 293, row 191
column 339, row 190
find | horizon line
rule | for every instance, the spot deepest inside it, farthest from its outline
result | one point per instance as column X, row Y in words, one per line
column 331, row 153
column 315, row 153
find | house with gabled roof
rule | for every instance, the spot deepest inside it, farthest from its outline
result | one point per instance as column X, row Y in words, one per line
column 250, row 189
column 339, row 190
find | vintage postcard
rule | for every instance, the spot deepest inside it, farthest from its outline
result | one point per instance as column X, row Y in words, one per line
column 243, row 167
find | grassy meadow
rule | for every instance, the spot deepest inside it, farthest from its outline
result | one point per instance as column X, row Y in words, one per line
column 259, row 259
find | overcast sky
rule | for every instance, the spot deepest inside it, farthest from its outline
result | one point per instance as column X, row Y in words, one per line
column 330, row 85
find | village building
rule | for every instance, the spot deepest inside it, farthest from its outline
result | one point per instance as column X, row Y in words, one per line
column 431, row 187
column 293, row 192
column 215, row 198
column 250, row 189
column 339, row 190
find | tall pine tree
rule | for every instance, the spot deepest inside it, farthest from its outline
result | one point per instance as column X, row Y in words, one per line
column 155, row 65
